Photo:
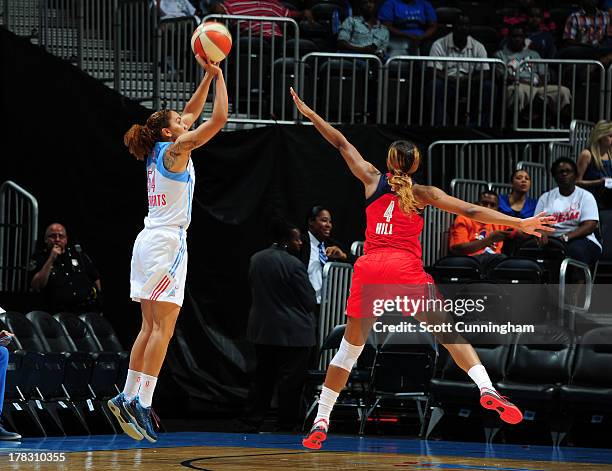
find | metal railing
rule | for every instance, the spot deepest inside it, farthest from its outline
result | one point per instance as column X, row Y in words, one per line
column 580, row 136
column 18, row 232
column 579, row 86
column 434, row 238
column 540, row 181
column 423, row 91
column 491, row 160
column 357, row 248
column 334, row 293
column 468, row 190
column 564, row 304
column 21, row 17
column 343, row 88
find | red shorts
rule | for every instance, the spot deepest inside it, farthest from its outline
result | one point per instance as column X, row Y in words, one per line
column 384, row 274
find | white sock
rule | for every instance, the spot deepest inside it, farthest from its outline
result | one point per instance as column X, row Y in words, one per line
column 132, row 384
column 480, row 376
column 145, row 396
column 326, row 404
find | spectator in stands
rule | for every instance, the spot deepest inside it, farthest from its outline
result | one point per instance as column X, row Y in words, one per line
column 460, row 44
column 595, row 167
column 65, row 275
column 318, row 247
column 525, row 81
column 517, row 203
column 476, row 239
column 364, row 33
column 174, row 8
column 411, row 23
column 575, row 211
column 281, row 325
column 537, row 24
column 587, row 27
column 5, row 339
column 270, row 8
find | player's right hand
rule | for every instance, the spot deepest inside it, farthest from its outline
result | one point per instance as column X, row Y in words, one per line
column 301, row 106
column 211, row 68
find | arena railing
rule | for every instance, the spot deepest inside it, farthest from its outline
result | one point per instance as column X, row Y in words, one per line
column 500, row 188
column 343, row 88
column 585, row 80
column 357, row 248
column 59, row 29
column 18, row 233
column 492, row 160
column 580, row 136
column 334, row 293
column 21, row 17
column 413, row 96
column 466, row 189
column 434, row 238
column 259, row 71
column 585, row 289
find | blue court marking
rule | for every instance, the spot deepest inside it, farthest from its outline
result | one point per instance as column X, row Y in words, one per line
column 337, row 443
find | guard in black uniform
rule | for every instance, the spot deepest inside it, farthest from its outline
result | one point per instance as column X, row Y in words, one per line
column 66, row 276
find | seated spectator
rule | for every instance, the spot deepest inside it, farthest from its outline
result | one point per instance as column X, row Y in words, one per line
column 281, row 325
column 525, row 81
column 460, row 44
column 270, row 8
column 575, row 211
column 364, row 33
column 65, row 275
column 476, row 239
column 595, row 167
column 5, row 339
column 318, row 247
column 537, row 24
column 174, row 8
column 517, row 203
column 411, row 23
column 587, row 27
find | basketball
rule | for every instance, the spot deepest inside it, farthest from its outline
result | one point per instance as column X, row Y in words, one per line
column 211, row 40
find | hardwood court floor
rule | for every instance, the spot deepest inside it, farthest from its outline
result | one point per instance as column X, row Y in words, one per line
column 212, row 452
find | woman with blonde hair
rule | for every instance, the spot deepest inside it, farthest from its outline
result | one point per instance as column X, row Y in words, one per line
column 393, row 256
column 595, row 164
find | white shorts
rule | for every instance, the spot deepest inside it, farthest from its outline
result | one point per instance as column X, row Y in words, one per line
column 159, row 265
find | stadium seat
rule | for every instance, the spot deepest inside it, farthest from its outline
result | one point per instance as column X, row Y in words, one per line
column 516, row 270
column 487, row 35
column 447, row 15
column 457, row 269
column 604, row 265
column 549, row 257
column 403, row 368
column 539, row 363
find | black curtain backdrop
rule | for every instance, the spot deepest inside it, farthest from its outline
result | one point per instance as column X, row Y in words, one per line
column 63, row 142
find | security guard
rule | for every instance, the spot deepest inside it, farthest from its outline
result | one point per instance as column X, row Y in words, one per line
column 65, row 275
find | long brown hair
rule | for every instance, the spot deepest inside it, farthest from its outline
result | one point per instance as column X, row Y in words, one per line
column 140, row 140
column 403, row 160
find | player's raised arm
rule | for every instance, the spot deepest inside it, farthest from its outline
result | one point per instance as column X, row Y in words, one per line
column 362, row 169
column 195, row 105
column 434, row 196
column 177, row 155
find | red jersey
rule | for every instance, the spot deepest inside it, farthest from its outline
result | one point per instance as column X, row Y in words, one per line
column 388, row 227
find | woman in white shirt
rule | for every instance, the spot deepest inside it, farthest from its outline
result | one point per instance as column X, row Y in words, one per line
column 575, row 212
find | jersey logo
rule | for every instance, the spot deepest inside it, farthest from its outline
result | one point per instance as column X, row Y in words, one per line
column 151, row 181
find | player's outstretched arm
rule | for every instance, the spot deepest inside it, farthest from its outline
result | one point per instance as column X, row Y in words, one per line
column 177, row 155
column 195, row 105
column 435, row 197
column 362, row 169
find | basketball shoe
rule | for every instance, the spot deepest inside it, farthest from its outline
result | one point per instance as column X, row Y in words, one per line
column 116, row 407
column 317, row 435
column 508, row 412
column 142, row 418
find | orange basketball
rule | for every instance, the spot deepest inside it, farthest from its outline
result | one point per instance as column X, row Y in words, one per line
column 211, row 40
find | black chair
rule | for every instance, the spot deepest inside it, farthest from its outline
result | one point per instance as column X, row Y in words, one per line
column 587, row 399
column 44, row 383
column 354, row 394
column 403, row 368
column 516, row 270
column 487, row 35
column 603, row 269
column 324, row 12
column 456, row 396
column 17, row 411
column 549, row 257
column 457, row 269
column 539, row 363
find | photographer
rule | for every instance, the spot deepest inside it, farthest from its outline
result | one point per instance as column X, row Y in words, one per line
column 66, row 276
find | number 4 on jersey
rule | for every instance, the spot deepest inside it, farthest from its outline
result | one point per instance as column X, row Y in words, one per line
column 386, row 228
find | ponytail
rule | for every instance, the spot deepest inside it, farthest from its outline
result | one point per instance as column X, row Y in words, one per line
column 140, row 140
column 403, row 160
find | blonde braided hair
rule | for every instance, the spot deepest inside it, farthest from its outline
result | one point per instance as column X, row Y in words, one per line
column 403, row 160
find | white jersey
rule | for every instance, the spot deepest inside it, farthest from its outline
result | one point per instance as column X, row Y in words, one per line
column 170, row 194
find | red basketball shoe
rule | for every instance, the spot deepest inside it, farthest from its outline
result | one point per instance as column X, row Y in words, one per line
column 317, row 435
column 508, row 412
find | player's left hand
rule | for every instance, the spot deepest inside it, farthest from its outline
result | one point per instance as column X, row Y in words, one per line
column 212, row 68
column 537, row 224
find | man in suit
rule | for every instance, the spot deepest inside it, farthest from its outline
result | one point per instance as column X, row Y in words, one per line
column 281, row 325
column 318, row 247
